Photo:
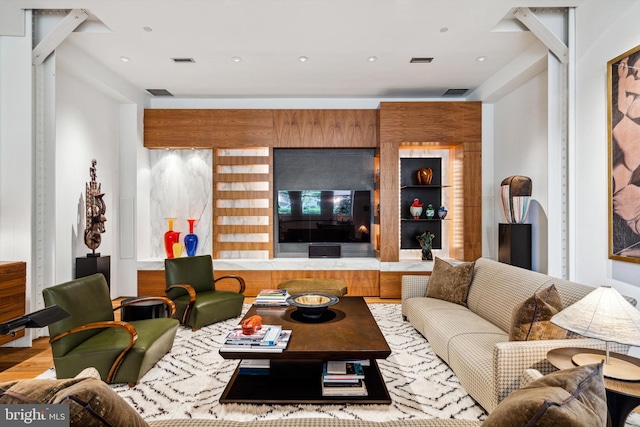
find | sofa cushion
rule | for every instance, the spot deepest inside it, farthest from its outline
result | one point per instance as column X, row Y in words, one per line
column 531, row 319
column 568, row 398
column 91, row 401
column 450, row 283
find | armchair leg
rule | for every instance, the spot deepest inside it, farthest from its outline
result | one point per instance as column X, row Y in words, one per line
column 132, row 385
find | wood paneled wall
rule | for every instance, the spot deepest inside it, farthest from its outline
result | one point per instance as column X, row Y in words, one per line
column 324, row 128
column 456, row 125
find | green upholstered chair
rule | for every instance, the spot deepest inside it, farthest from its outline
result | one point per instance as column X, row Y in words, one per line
column 121, row 351
column 191, row 286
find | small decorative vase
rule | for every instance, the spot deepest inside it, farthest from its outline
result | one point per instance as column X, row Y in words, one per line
column 424, row 176
column 416, row 209
column 177, row 250
column 170, row 237
column 430, row 211
column 442, row 212
column 191, row 240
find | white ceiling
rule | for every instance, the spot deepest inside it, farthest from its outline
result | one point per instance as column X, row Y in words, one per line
column 338, row 37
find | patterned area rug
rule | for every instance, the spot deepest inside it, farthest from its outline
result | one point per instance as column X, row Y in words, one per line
column 189, row 381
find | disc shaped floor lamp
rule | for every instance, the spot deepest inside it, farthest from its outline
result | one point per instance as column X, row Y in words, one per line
column 604, row 314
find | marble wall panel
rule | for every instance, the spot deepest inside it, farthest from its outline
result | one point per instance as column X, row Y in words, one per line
column 181, row 188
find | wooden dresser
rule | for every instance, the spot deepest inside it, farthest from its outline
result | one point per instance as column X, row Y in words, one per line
column 13, row 283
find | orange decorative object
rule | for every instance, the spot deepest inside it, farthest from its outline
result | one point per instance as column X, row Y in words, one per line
column 251, row 325
column 424, row 176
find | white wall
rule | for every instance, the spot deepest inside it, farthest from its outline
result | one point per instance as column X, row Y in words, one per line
column 520, row 148
column 87, row 127
column 617, row 32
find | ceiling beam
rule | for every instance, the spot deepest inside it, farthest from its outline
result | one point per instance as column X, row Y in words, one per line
column 537, row 27
column 58, row 35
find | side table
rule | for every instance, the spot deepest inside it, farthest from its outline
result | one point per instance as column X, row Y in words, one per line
column 622, row 396
column 145, row 309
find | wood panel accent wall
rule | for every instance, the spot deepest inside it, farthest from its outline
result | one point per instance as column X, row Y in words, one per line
column 324, row 128
column 359, row 282
column 457, row 125
column 197, row 128
column 13, row 286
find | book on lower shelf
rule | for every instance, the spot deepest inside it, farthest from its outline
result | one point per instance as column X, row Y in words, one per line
column 357, row 388
column 254, row 367
column 342, row 371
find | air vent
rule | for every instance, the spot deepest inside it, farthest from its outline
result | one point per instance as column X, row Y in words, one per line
column 159, row 92
column 455, row 92
column 418, row 60
column 182, row 60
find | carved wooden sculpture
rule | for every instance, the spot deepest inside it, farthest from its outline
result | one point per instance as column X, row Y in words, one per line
column 95, row 210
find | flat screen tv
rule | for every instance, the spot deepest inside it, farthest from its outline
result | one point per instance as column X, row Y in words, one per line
column 324, row 216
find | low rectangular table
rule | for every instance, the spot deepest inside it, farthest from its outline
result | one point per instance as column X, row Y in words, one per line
column 295, row 376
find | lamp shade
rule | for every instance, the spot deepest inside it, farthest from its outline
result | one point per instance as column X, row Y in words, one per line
column 603, row 314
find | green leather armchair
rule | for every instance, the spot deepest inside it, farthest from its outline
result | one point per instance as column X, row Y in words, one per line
column 191, row 286
column 121, row 351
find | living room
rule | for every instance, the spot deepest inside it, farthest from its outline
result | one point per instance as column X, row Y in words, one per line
column 528, row 128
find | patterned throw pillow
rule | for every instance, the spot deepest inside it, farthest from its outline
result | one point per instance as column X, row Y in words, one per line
column 573, row 397
column 91, row 401
column 530, row 320
column 450, row 283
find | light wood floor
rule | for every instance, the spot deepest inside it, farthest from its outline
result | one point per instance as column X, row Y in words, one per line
column 30, row 362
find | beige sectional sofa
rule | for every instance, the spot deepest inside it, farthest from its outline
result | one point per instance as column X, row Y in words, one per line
column 474, row 340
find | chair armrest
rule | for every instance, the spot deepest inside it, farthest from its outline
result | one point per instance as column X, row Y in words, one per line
column 170, row 304
column 238, row 278
column 192, row 299
column 512, row 358
column 133, row 337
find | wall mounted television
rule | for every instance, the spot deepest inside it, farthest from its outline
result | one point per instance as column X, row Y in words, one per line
column 324, row 216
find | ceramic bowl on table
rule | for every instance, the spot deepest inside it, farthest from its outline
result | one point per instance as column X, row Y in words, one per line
column 312, row 305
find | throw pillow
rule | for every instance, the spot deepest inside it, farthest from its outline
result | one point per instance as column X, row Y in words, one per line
column 91, row 401
column 574, row 397
column 531, row 319
column 450, row 282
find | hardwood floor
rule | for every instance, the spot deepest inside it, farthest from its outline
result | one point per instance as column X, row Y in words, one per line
column 29, row 362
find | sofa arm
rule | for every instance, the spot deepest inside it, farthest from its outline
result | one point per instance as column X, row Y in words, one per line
column 414, row 286
column 512, row 358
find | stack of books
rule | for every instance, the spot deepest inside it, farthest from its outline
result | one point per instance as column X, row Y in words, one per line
column 272, row 297
column 268, row 339
column 254, row 367
column 341, row 378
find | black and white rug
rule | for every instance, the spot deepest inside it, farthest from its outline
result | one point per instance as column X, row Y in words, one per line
column 189, row 381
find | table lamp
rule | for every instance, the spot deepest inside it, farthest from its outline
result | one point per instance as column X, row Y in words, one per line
column 604, row 314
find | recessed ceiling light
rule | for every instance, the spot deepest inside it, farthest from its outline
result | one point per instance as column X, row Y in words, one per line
column 481, row 58
column 125, row 59
column 147, row 29
column 236, row 59
column 444, row 29
column 303, row 58
column 372, row 58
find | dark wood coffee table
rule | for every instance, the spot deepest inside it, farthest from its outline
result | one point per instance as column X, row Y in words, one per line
column 295, row 375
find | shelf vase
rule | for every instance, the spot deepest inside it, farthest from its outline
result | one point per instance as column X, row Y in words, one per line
column 416, row 211
column 442, row 212
column 430, row 212
column 170, row 238
column 191, row 240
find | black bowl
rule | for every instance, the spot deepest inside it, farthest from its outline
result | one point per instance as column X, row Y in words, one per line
column 312, row 305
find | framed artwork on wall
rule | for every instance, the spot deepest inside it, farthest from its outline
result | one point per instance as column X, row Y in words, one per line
column 623, row 87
